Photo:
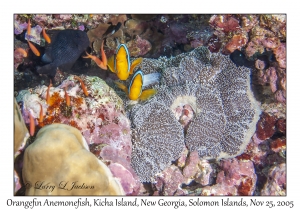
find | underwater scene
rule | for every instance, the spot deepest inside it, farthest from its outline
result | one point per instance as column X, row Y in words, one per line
column 150, row 104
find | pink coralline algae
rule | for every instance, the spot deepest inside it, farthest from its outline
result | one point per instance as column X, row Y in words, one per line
column 69, row 21
column 128, row 179
column 197, row 169
column 81, row 27
column 169, row 182
column 236, row 178
column 228, row 30
column 99, row 116
column 265, row 127
column 19, row 26
column 138, row 46
column 262, row 39
column 275, row 77
column 269, row 76
column 280, row 54
column 276, row 183
column 236, row 43
column 224, row 23
column 65, row 17
column 270, row 150
column 35, row 35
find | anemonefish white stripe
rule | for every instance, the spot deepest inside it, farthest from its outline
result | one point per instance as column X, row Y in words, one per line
column 127, row 56
column 133, row 78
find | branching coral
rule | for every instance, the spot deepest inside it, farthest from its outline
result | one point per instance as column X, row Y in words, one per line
column 225, row 111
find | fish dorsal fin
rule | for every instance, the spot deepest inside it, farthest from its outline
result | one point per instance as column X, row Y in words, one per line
column 146, row 94
column 134, row 64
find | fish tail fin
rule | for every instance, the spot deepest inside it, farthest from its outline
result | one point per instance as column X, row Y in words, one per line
column 134, row 64
column 146, row 94
column 87, row 55
column 150, row 79
column 122, row 87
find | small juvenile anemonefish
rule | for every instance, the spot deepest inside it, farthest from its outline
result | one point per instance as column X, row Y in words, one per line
column 68, row 100
column 31, row 124
column 28, row 27
column 120, row 63
column 34, row 49
column 82, row 85
column 134, row 90
column 22, row 51
column 46, row 36
column 101, row 63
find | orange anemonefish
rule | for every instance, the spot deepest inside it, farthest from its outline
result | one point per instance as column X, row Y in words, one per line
column 82, row 85
column 46, row 37
column 28, row 27
column 68, row 99
column 135, row 91
column 21, row 51
column 120, row 63
column 31, row 124
column 34, row 49
column 101, row 63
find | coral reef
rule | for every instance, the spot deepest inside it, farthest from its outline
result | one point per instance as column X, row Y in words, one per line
column 138, row 47
column 197, row 170
column 169, row 181
column 59, row 163
column 236, row 178
column 261, row 39
column 19, row 26
column 99, row 117
column 267, row 148
column 197, row 97
column 276, row 183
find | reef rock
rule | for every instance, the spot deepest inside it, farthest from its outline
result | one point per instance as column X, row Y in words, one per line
column 169, row 182
column 59, row 163
column 276, row 183
column 219, row 93
column 99, row 116
column 236, row 178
